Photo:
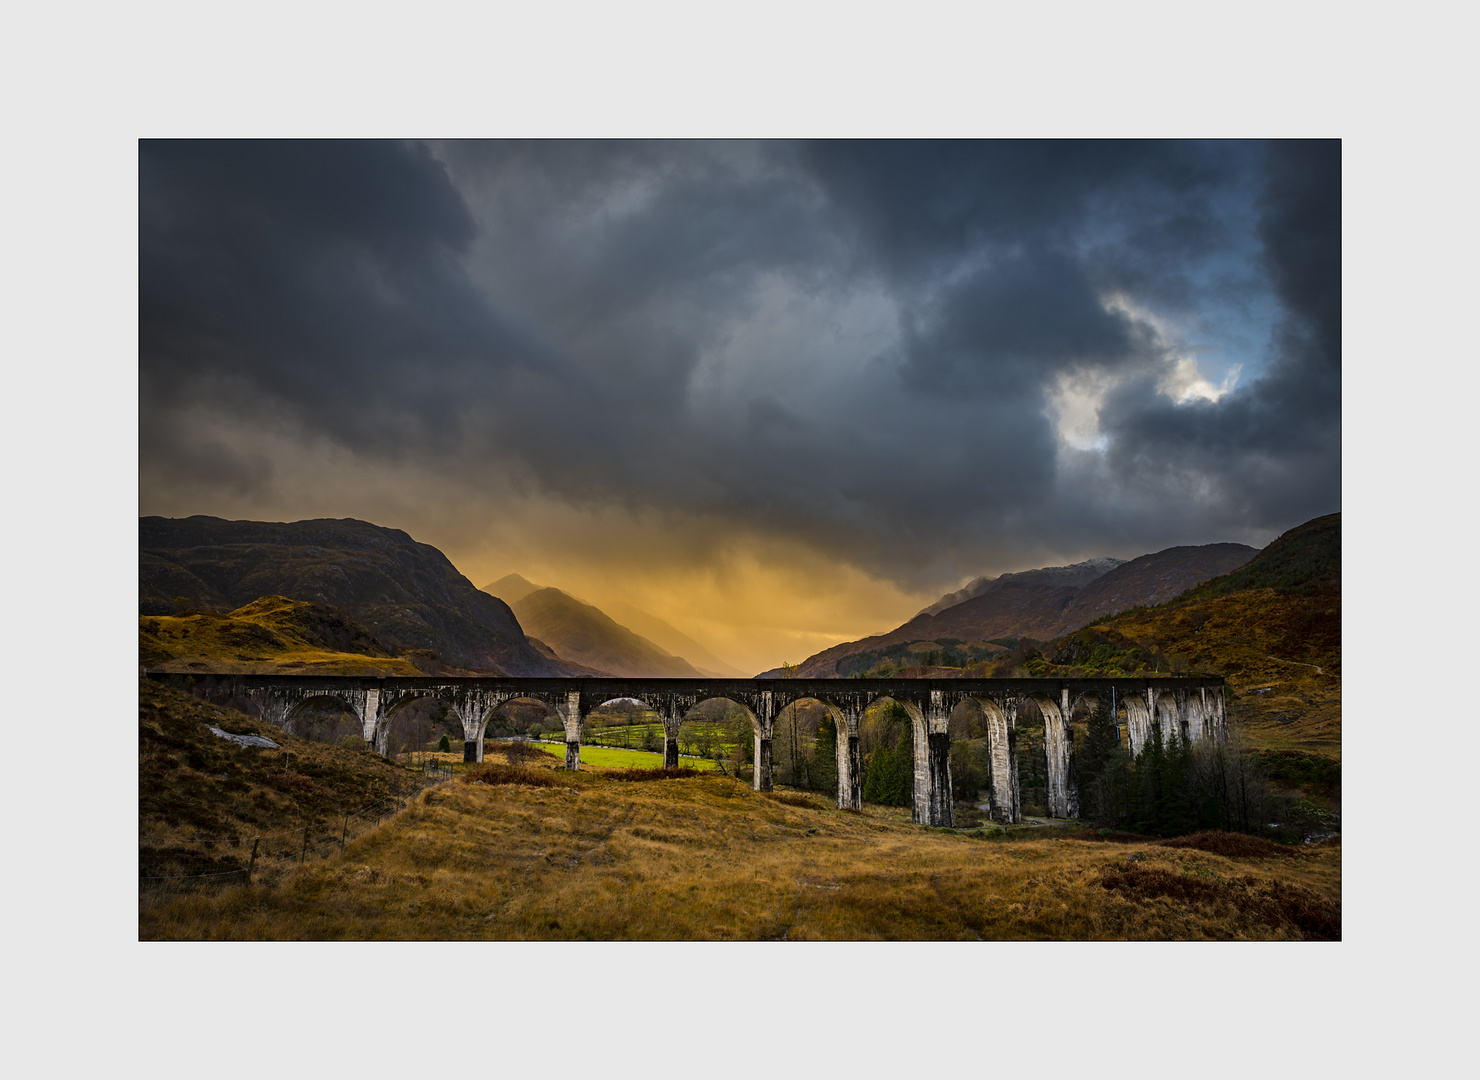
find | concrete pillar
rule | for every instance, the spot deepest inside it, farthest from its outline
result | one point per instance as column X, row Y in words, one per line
column 765, row 721
column 274, row 708
column 919, row 736
column 1071, row 771
column 672, row 722
column 475, row 723
column 370, row 721
column 1192, row 715
column 933, row 764
column 850, row 764
column 1137, row 723
column 571, row 715
column 762, row 780
column 1002, row 803
column 1012, row 764
column 940, row 779
column 1058, row 747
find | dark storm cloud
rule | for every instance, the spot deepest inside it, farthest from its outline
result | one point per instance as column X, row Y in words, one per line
column 1013, row 323
column 920, row 206
column 854, row 345
column 324, row 277
column 1272, row 450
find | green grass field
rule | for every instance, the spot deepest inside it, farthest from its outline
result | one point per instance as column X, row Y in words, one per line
column 636, row 735
column 610, row 758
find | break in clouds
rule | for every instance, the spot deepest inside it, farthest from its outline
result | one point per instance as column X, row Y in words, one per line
column 924, row 361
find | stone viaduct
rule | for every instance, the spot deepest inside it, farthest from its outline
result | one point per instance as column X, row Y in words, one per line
column 1191, row 708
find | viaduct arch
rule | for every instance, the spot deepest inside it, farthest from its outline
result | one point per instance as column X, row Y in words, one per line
column 1192, row 708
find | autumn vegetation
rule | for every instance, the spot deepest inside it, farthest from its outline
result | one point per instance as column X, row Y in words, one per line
column 515, row 849
column 270, row 635
column 1175, row 844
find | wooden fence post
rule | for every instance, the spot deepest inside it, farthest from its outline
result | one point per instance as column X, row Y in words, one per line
column 253, row 863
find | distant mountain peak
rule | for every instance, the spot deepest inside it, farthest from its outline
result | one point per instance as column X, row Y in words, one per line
column 511, row 588
column 1075, row 574
column 584, row 634
column 672, row 640
column 1039, row 604
column 408, row 595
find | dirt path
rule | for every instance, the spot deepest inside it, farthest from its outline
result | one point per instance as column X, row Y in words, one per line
column 1298, row 663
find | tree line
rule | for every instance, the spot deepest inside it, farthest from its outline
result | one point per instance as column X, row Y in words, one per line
column 1173, row 786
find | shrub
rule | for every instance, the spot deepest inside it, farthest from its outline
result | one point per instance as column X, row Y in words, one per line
column 639, row 775
column 443, row 745
column 517, row 753
column 789, row 799
column 489, row 773
column 1230, row 845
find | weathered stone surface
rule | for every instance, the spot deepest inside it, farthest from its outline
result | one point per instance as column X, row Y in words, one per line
column 244, row 740
column 1193, row 708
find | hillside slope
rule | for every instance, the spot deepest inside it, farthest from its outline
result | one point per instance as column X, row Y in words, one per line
column 408, row 595
column 1272, row 628
column 1042, row 604
column 512, row 588
column 196, row 785
column 588, row 636
column 1075, row 574
column 1151, row 579
column 674, row 641
column 270, row 635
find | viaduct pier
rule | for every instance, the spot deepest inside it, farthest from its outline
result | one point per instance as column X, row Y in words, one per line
column 1189, row 708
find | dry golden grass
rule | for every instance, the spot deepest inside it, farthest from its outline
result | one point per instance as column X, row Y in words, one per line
column 268, row 636
column 708, row 859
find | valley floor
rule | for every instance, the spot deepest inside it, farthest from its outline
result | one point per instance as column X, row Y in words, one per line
column 706, row 858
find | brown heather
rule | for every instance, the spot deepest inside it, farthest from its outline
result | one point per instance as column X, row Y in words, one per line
column 193, row 784
column 708, row 859
column 536, row 853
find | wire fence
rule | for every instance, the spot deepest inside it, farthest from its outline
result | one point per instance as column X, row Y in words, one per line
column 170, row 864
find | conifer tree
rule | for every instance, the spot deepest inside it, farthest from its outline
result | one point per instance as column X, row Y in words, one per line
column 890, row 777
column 1102, row 763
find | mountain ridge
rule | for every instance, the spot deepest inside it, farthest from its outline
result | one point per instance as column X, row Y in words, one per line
column 584, row 634
column 673, row 640
column 270, row 635
column 1041, row 604
column 405, row 593
column 1079, row 573
column 1271, row 627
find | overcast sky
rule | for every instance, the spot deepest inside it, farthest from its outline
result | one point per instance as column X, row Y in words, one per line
column 780, row 395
